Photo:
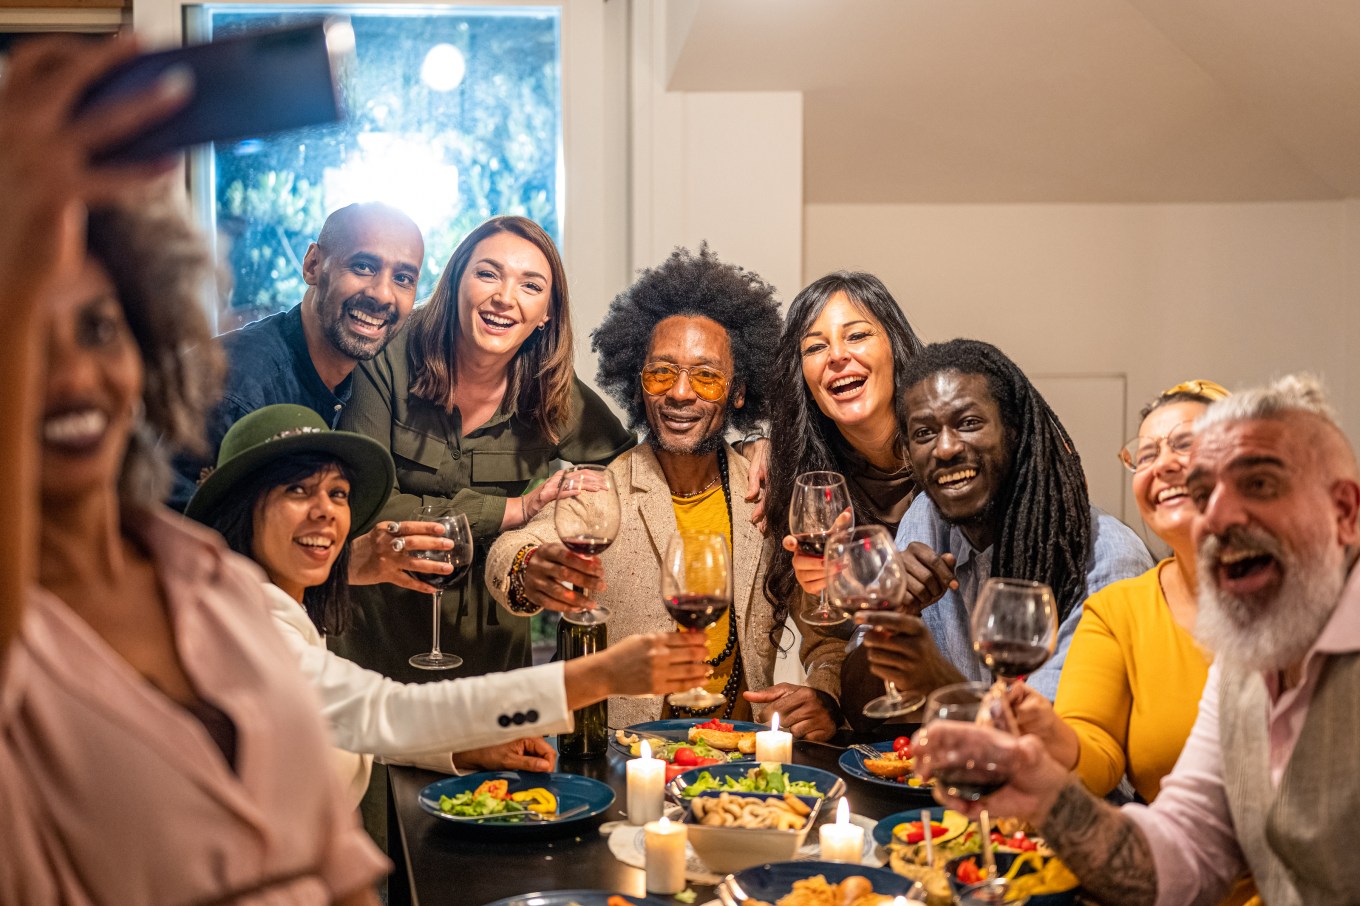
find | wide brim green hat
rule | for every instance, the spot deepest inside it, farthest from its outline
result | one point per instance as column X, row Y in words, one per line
column 274, row 432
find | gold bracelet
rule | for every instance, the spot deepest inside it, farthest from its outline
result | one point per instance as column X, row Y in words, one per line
column 515, row 597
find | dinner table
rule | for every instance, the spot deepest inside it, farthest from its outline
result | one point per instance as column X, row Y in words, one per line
column 437, row 864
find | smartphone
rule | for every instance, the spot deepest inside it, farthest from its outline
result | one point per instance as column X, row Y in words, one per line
column 242, row 86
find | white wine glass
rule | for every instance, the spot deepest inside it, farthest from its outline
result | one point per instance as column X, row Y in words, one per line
column 696, row 589
column 819, row 499
column 864, row 572
column 457, row 530
column 586, row 516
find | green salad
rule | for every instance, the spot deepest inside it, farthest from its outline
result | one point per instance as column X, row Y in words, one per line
column 665, row 749
column 476, row 803
column 762, row 779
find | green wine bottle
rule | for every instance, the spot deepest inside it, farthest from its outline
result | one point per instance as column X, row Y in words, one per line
column 590, row 739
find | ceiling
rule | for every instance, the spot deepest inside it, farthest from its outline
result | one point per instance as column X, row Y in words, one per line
column 1022, row 101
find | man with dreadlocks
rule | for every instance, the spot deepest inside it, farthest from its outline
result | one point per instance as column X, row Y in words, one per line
column 1005, row 495
column 686, row 350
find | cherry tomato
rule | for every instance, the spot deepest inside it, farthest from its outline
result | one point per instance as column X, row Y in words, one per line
column 675, row 770
column 705, row 762
column 968, row 872
column 902, row 745
column 685, row 756
column 715, row 724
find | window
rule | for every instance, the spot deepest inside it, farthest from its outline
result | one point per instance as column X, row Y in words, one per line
column 454, row 116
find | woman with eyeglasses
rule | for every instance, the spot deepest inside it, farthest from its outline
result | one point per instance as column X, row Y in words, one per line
column 476, row 398
column 1129, row 691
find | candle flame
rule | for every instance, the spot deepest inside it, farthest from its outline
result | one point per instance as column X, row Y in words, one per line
column 663, row 823
column 774, row 724
column 646, row 750
column 843, row 812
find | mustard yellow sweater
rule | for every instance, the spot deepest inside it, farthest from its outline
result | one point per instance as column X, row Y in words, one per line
column 1131, row 685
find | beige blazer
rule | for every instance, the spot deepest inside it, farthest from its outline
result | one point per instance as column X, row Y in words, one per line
column 632, row 568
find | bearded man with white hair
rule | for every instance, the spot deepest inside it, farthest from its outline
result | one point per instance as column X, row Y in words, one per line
column 1267, row 780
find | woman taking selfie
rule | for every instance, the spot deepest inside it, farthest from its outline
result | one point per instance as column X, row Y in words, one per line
column 142, row 686
column 845, row 340
column 291, row 495
column 475, row 399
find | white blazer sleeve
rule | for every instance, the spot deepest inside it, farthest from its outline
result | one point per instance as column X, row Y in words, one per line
column 373, row 714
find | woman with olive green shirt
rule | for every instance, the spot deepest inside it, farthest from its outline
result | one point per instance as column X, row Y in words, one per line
column 493, row 346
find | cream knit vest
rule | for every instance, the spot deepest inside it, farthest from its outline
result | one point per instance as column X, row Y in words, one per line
column 1302, row 840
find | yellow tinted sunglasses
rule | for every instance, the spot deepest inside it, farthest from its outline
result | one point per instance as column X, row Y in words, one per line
column 708, row 383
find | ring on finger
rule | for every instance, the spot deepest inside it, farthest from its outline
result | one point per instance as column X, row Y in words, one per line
column 399, row 544
column 392, row 527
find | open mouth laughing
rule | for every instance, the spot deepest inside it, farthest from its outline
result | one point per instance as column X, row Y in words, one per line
column 1243, row 563
column 75, row 431
column 315, row 545
column 1175, row 494
column 847, row 386
column 955, row 479
column 496, row 323
column 368, row 320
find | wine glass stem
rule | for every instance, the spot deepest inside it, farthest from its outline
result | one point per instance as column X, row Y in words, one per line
column 893, row 695
column 434, row 649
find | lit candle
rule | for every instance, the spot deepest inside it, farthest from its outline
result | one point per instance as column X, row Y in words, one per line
column 774, row 744
column 665, row 859
column 842, row 841
column 646, row 786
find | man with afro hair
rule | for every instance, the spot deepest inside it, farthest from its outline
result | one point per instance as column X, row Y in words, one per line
column 687, row 351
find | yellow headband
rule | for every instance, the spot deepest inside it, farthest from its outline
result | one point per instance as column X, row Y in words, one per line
column 1210, row 389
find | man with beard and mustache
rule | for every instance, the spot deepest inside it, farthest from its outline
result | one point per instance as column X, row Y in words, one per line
column 1005, row 495
column 1266, row 781
column 361, row 275
column 687, row 350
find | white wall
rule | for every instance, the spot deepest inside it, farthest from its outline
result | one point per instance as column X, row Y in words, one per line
column 1159, row 293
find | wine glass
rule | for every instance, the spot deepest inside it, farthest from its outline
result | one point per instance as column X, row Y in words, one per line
column 819, row 499
column 696, row 588
column 863, row 572
column 1015, row 629
column 969, row 702
column 586, row 516
column 457, row 530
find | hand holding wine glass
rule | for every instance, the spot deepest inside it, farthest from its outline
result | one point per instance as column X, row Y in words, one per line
column 696, row 589
column 1015, row 629
column 864, row 572
column 459, row 556
column 820, row 505
column 586, row 516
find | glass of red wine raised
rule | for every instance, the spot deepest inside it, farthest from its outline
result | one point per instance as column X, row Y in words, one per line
column 457, row 530
column 586, row 516
column 863, row 572
column 696, row 588
column 975, row 777
column 819, row 499
column 1015, row 629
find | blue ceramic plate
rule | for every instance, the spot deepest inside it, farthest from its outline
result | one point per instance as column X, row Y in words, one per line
column 772, row 881
column 676, row 730
column 567, row 897
column 571, row 791
column 828, row 784
column 852, row 763
column 883, row 830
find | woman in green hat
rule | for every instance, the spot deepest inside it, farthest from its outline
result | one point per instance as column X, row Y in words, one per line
column 290, row 493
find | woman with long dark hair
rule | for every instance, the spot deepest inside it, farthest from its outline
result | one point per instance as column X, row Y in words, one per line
column 845, row 342
column 475, row 399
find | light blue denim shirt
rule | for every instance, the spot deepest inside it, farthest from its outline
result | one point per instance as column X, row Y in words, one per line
column 1116, row 553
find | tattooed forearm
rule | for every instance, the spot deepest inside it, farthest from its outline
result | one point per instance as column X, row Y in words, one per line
column 1102, row 847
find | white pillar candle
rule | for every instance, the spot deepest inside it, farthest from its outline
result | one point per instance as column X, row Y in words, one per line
column 646, row 786
column 842, row 841
column 665, row 859
column 774, row 744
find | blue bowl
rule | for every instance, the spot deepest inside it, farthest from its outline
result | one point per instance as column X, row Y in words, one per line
column 772, row 881
column 571, row 790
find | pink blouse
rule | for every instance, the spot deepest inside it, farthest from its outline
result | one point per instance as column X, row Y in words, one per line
column 113, row 793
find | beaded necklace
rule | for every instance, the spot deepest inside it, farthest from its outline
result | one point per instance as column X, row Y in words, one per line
column 730, row 687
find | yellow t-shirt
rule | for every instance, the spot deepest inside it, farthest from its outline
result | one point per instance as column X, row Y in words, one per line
column 1131, row 685
column 708, row 513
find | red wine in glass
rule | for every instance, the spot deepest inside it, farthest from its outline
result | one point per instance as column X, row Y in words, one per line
column 1012, row 660
column 694, row 612
column 813, row 544
column 457, row 530
column 439, row 580
column 587, row 545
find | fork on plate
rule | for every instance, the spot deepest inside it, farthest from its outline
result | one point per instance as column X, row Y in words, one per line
column 866, row 751
column 517, row 817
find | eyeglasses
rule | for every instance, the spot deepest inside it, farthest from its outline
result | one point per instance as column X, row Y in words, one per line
column 708, row 383
column 1141, row 452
